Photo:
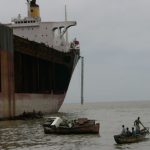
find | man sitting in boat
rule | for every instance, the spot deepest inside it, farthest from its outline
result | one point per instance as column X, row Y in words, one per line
column 133, row 132
column 128, row 132
column 137, row 123
column 123, row 132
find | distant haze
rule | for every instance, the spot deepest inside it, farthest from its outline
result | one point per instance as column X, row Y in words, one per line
column 114, row 38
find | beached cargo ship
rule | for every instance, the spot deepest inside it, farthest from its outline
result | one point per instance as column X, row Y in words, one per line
column 36, row 63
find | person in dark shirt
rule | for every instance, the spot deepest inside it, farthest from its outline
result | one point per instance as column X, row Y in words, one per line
column 128, row 133
column 133, row 132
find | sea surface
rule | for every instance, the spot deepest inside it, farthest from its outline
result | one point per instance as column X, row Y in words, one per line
column 29, row 135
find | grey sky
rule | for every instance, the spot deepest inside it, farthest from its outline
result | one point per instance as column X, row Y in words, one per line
column 115, row 41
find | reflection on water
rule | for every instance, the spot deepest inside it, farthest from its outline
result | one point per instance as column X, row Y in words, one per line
column 29, row 135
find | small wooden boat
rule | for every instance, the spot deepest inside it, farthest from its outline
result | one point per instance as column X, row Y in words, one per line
column 124, row 139
column 55, row 125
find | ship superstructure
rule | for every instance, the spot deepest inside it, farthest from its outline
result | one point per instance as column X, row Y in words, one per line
column 51, row 34
column 37, row 63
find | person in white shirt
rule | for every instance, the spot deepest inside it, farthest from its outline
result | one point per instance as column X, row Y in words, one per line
column 123, row 132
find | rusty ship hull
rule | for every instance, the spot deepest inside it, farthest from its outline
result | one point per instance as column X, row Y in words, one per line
column 33, row 76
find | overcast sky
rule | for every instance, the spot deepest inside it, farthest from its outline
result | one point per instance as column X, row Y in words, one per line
column 115, row 42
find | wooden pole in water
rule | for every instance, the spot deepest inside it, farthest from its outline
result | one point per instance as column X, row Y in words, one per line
column 82, row 80
column 66, row 19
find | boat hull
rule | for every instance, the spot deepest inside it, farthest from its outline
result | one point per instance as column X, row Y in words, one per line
column 90, row 129
column 129, row 139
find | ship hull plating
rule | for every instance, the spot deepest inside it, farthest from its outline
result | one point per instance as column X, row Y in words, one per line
column 46, row 103
column 33, row 77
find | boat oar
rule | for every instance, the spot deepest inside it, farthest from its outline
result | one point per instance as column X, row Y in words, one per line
column 144, row 127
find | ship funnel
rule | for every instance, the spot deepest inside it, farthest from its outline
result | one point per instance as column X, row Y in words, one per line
column 34, row 9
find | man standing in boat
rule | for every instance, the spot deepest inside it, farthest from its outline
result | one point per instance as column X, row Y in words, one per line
column 137, row 123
